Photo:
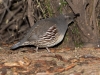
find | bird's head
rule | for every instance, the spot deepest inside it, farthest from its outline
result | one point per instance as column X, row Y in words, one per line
column 70, row 17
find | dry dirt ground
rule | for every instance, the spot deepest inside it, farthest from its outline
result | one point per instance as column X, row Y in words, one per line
column 65, row 61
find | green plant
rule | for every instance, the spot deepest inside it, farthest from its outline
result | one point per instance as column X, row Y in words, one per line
column 62, row 5
column 48, row 8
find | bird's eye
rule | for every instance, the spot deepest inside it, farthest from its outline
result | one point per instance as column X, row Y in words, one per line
column 69, row 18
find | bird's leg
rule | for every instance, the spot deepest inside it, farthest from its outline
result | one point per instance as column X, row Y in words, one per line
column 48, row 49
column 36, row 49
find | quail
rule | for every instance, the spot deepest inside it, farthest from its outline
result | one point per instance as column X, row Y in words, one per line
column 46, row 33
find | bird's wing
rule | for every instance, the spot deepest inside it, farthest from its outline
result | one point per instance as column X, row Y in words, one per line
column 40, row 31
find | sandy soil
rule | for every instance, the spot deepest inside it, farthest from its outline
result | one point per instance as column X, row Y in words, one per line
column 65, row 61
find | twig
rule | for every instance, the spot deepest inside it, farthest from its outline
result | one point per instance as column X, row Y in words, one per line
column 30, row 16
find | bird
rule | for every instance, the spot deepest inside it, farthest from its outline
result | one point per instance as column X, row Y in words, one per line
column 46, row 33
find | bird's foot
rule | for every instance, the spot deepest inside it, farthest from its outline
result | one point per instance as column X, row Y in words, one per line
column 48, row 49
column 36, row 49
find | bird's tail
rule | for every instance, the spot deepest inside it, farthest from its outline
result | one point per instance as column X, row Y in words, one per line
column 15, row 46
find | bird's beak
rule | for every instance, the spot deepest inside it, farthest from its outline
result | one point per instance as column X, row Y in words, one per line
column 76, row 15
